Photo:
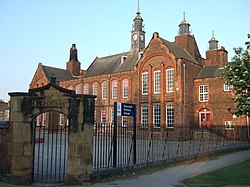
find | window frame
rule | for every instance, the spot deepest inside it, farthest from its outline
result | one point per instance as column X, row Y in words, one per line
column 144, row 116
column 203, row 94
column 169, row 116
column 114, row 84
column 170, row 81
column 227, row 87
column 104, row 90
column 78, row 89
column 125, row 87
column 86, row 89
column 95, row 89
column 229, row 125
column 157, row 81
column 157, row 116
column 145, row 83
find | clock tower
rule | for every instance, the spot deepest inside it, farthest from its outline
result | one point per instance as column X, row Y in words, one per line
column 138, row 33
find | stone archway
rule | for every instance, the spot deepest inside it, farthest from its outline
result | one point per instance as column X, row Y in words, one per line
column 80, row 111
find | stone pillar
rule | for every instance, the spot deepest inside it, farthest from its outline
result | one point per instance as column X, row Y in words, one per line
column 20, row 147
column 80, row 151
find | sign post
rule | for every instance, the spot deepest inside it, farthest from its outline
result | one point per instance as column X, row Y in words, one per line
column 124, row 109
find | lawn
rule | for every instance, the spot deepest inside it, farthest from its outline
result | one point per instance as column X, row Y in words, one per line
column 237, row 174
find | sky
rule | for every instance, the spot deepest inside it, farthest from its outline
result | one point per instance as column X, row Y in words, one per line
column 43, row 31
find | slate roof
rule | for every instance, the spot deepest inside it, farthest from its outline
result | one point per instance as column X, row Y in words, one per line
column 111, row 64
column 210, row 72
column 60, row 74
column 177, row 51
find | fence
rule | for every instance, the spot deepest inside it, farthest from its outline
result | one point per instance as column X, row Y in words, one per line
column 50, row 153
column 151, row 145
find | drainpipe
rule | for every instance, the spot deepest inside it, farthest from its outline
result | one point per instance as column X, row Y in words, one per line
column 184, row 96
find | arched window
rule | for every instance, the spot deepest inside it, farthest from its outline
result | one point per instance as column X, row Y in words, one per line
column 145, row 83
column 125, row 83
column 86, row 89
column 114, row 89
column 104, row 90
column 78, row 89
column 170, row 80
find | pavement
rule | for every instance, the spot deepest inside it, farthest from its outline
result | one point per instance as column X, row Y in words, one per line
column 169, row 177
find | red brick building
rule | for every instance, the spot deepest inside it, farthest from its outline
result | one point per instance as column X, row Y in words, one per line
column 170, row 82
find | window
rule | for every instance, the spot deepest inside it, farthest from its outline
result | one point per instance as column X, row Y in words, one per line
column 44, row 118
column 170, row 116
column 112, row 116
column 203, row 93
column 104, row 90
column 227, row 87
column 229, row 125
column 145, row 83
column 95, row 89
column 125, row 88
column 103, row 117
column 61, row 119
column 38, row 120
column 144, row 116
column 70, row 88
column 114, row 89
column 156, row 116
column 124, row 121
column 170, row 80
column 157, row 81
column 86, row 89
column 78, row 89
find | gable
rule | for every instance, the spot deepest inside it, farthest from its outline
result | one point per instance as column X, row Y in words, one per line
column 43, row 74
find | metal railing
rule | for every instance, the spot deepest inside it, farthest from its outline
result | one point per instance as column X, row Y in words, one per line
column 152, row 145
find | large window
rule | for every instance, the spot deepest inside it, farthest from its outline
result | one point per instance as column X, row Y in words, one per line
column 86, row 89
column 203, row 93
column 144, row 116
column 157, row 81
column 156, row 116
column 78, row 89
column 95, row 88
column 114, row 89
column 170, row 80
column 170, row 116
column 145, row 83
column 125, row 88
column 104, row 90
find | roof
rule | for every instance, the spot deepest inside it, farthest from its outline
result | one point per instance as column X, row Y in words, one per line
column 60, row 74
column 210, row 72
column 112, row 64
column 178, row 51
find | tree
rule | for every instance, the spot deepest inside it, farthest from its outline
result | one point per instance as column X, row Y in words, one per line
column 237, row 74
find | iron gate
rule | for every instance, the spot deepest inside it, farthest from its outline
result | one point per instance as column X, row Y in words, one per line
column 50, row 153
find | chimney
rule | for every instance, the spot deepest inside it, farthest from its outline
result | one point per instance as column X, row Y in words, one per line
column 73, row 65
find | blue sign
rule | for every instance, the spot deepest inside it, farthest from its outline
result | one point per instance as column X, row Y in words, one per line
column 124, row 109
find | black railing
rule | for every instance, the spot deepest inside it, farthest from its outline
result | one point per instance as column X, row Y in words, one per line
column 50, row 153
column 156, row 144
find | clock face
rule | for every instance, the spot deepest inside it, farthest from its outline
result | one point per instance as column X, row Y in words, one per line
column 142, row 37
column 135, row 37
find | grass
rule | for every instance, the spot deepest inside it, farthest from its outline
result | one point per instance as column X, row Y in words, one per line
column 233, row 175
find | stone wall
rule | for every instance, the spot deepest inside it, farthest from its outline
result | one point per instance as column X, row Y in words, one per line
column 5, row 137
